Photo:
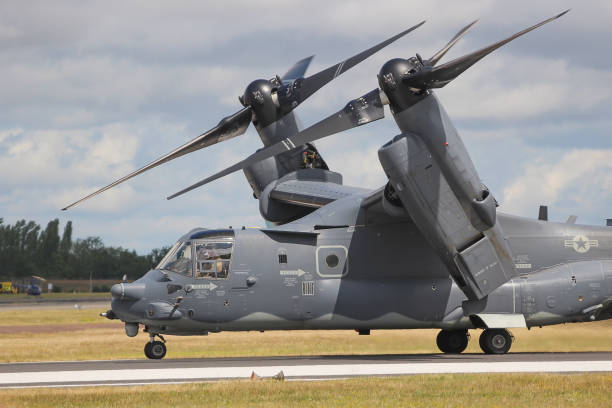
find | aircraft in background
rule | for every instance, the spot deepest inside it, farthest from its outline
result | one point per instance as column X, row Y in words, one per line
column 32, row 288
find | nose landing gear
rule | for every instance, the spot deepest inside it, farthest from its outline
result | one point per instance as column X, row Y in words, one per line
column 155, row 349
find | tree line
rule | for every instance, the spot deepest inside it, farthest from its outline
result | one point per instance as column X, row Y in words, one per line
column 26, row 249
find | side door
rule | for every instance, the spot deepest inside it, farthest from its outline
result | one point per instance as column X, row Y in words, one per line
column 212, row 278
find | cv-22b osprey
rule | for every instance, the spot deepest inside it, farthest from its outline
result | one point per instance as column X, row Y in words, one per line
column 427, row 250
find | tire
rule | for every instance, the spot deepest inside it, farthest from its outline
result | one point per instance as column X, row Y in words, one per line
column 155, row 350
column 495, row 341
column 452, row 341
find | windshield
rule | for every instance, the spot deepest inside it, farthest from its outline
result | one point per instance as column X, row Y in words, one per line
column 179, row 259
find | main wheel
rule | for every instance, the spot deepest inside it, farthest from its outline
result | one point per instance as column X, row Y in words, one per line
column 452, row 341
column 155, row 350
column 495, row 341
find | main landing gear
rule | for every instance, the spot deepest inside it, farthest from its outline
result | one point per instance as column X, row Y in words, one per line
column 155, row 349
column 452, row 341
column 492, row 341
column 495, row 341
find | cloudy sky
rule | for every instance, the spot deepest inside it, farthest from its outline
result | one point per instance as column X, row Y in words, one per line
column 90, row 91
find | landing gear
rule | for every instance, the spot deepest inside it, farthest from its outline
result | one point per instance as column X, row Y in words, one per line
column 155, row 349
column 452, row 341
column 495, row 341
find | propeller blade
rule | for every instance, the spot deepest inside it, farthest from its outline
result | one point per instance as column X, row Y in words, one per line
column 438, row 55
column 440, row 76
column 315, row 82
column 229, row 127
column 357, row 112
column 297, row 70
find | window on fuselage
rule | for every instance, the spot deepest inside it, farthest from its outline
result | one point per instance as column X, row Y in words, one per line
column 213, row 259
column 180, row 260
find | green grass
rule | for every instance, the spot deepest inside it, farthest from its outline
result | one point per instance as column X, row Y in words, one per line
column 451, row 390
column 48, row 316
column 70, row 334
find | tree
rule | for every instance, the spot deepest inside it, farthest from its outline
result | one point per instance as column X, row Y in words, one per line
column 25, row 250
column 66, row 243
column 157, row 254
column 49, row 240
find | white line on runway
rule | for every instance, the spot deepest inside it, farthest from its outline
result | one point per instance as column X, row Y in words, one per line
column 338, row 370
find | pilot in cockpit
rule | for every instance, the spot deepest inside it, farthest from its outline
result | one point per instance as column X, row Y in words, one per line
column 209, row 263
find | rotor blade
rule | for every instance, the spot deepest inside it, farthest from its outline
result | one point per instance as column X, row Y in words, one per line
column 438, row 55
column 357, row 112
column 297, row 70
column 440, row 76
column 314, row 82
column 229, row 127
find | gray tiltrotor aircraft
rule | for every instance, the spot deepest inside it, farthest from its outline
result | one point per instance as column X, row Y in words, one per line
column 427, row 250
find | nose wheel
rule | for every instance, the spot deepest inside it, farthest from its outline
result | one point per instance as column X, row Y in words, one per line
column 495, row 341
column 155, row 349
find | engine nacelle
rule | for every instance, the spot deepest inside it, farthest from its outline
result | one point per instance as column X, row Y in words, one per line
column 478, row 259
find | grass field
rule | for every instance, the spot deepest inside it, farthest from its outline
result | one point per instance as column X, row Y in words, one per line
column 70, row 334
column 24, row 297
column 467, row 390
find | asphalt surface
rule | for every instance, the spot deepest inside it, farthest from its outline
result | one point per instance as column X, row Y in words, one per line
column 128, row 372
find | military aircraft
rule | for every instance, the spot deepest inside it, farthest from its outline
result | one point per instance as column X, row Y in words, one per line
column 427, row 250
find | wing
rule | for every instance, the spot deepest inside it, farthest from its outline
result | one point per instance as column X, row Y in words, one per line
column 310, row 193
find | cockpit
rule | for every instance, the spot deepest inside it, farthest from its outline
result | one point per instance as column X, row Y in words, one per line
column 201, row 254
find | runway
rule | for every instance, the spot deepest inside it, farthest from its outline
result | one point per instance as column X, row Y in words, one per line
column 130, row 372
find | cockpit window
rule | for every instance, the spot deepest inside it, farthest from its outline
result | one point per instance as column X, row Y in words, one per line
column 179, row 259
column 213, row 258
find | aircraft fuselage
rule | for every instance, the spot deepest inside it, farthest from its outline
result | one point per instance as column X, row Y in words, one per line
column 370, row 276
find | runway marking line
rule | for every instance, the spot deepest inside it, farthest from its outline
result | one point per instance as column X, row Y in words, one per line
column 82, row 377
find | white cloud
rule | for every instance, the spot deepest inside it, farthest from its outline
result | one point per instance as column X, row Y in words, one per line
column 6, row 134
column 513, row 88
column 580, row 178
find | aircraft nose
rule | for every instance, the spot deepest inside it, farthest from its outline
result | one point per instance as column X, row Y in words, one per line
column 134, row 291
column 116, row 290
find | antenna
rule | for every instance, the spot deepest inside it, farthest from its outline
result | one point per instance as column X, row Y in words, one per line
column 543, row 215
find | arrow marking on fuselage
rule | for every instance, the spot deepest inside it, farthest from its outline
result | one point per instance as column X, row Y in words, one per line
column 209, row 286
column 298, row 272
